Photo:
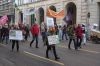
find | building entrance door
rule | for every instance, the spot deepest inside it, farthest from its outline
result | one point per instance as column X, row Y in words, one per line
column 71, row 12
column 41, row 15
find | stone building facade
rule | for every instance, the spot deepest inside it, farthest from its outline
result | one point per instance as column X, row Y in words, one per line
column 84, row 11
column 7, row 8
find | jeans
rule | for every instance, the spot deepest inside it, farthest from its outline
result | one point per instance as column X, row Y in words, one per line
column 79, row 41
column 64, row 34
column 35, row 37
column 70, row 40
column 6, row 38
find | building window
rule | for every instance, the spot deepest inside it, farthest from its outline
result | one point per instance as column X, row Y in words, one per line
column 32, row 18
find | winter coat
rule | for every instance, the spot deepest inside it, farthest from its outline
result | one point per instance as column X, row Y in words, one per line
column 79, row 31
column 34, row 29
column 71, row 32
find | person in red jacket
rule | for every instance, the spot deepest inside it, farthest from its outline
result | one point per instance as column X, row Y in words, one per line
column 35, row 31
column 79, row 35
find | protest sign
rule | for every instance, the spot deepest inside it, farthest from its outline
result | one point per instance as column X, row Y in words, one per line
column 54, row 39
column 15, row 35
column 50, row 22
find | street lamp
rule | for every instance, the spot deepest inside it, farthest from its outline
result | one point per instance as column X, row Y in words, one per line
column 88, row 17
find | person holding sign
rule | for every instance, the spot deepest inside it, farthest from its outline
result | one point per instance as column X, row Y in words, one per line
column 14, row 41
column 50, row 33
column 50, row 46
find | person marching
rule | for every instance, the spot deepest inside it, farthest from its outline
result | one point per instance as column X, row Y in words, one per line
column 50, row 47
column 71, row 35
column 26, row 32
column 79, row 35
column 43, row 32
column 35, row 31
column 60, row 33
column 6, row 33
column 84, row 34
column 64, row 32
column 15, row 41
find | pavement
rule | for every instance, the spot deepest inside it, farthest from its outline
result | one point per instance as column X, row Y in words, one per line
column 88, row 55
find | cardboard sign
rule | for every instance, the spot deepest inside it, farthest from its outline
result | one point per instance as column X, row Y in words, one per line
column 15, row 35
column 50, row 22
column 54, row 39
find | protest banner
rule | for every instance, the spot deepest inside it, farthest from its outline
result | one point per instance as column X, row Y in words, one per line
column 54, row 39
column 15, row 35
column 50, row 21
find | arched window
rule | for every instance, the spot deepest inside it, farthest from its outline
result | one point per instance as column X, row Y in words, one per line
column 71, row 12
column 32, row 18
column 41, row 15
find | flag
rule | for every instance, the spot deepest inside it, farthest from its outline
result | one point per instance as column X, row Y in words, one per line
column 68, row 17
column 54, row 14
column 3, row 19
column 51, row 13
column 60, row 14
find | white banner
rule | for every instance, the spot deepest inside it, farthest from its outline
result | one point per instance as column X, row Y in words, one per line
column 15, row 35
column 29, row 11
column 54, row 39
column 50, row 22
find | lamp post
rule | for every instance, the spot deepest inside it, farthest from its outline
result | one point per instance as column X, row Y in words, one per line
column 88, row 17
column 87, row 21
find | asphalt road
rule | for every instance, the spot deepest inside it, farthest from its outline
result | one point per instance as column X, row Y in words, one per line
column 89, row 55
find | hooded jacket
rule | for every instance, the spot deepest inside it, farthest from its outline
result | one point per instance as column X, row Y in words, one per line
column 34, row 29
column 79, row 31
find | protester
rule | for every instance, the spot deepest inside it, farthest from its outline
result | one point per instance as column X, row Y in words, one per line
column 43, row 31
column 15, row 41
column 84, row 34
column 79, row 35
column 35, row 31
column 5, row 31
column 26, row 32
column 56, row 29
column 49, row 47
column 71, row 34
column 60, row 33
column 64, row 32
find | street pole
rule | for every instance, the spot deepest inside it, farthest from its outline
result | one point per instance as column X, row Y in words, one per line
column 87, row 22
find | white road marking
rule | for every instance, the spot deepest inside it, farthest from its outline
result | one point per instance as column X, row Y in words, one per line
column 2, row 45
column 62, row 64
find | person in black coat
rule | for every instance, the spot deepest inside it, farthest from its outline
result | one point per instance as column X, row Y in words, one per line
column 26, row 32
column 15, row 41
column 6, row 33
column 49, row 47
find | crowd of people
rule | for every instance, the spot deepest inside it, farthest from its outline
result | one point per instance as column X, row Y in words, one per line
column 71, row 32
column 4, row 34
